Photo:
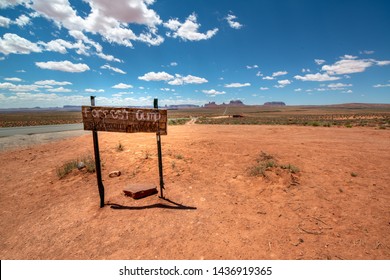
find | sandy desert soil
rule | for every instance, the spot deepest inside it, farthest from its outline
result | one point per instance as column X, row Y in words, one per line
column 335, row 207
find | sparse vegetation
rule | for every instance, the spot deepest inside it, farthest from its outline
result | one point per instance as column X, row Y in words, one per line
column 86, row 162
column 120, row 147
column 266, row 162
column 353, row 174
column 179, row 156
column 178, row 121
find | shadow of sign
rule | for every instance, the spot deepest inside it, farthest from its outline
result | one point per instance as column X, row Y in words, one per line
column 173, row 206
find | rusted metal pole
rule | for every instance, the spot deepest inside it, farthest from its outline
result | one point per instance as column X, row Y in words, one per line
column 160, row 166
column 97, row 161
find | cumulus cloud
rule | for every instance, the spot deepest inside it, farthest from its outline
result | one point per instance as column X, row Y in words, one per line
column 189, row 79
column 264, row 88
column 117, row 70
column 319, row 61
column 122, row 86
column 159, row 76
column 22, row 20
column 52, row 83
column 233, row 23
column 348, row 65
column 338, row 85
column 109, row 20
column 4, row 22
column 268, row 78
column 12, row 43
column 189, row 30
column 59, row 89
column 381, row 85
column 65, row 66
column 252, row 66
column 13, row 79
column 284, row 82
column 318, row 77
column 279, row 73
column 213, row 92
column 93, row 90
column 237, row 85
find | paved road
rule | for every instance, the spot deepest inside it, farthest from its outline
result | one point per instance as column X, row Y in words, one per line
column 21, row 137
column 39, row 129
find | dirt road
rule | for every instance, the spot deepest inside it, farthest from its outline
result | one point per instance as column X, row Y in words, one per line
column 335, row 207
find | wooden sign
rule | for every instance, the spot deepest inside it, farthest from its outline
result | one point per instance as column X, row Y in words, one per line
column 129, row 120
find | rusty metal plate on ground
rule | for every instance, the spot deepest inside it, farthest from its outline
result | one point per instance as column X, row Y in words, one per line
column 138, row 191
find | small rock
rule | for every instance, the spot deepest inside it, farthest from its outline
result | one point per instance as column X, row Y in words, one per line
column 80, row 165
column 114, row 174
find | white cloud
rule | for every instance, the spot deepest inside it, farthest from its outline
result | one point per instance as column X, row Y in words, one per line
column 348, row 65
column 188, row 30
column 93, row 90
column 339, row 86
column 381, row 85
column 52, row 83
column 213, row 92
column 12, row 43
column 383, row 63
column 279, row 73
column 10, row 3
column 237, row 85
column 106, row 19
column 18, row 88
column 4, row 22
column 60, row 89
column 252, row 66
column 122, row 86
column 65, row 66
column 189, row 79
column 22, row 20
column 173, row 64
column 297, row 89
column 318, row 77
column 366, row 52
column 117, row 70
column 319, row 61
column 264, row 88
column 13, row 79
column 61, row 46
column 259, row 74
column 159, row 76
column 268, row 78
column 231, row 19
column 284, row 82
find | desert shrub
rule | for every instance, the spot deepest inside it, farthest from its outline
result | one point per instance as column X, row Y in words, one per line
column 120, row 147
column 86, row 162
column 178, row 121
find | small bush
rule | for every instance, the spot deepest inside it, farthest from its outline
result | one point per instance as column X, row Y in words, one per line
column 290, row 167
column 120, row 147
column 86, row 162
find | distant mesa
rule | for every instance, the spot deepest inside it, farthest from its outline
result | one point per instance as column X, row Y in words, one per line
column 232, row 103
column 275, row 103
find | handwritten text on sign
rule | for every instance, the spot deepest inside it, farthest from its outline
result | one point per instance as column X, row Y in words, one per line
column 128, row 120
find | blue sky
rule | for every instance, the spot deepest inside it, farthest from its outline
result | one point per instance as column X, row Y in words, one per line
column 127, row 52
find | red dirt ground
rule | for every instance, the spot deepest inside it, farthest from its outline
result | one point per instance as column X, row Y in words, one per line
column 336, row 207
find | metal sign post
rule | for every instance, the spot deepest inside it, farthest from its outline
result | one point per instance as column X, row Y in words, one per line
column 160, row 166
column 97, row 161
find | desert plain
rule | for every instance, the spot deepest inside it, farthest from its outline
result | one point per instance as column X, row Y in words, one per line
column 325, row 196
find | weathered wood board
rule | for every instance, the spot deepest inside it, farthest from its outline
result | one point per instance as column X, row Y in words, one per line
column 122, row 119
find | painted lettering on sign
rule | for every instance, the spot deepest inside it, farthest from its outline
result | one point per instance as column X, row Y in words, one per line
column 128, row 120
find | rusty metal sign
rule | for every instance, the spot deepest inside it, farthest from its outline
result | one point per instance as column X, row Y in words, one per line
column 128, row 120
